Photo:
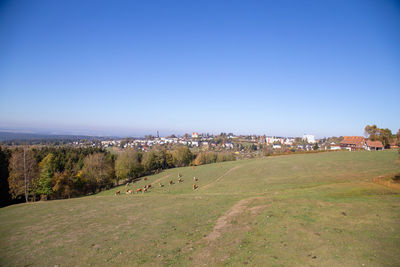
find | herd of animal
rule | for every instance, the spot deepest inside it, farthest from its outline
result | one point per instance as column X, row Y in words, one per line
column 146, row 187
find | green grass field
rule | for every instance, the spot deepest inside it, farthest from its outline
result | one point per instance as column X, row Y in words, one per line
column 299, row 210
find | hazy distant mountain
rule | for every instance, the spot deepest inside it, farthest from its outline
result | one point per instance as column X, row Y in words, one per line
column 13, row 136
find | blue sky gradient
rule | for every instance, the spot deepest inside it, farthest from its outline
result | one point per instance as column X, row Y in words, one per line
column 264, row 67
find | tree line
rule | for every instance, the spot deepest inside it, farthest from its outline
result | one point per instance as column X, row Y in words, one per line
column 31, row 173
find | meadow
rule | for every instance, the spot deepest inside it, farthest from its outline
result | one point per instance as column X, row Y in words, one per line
column 298, row 210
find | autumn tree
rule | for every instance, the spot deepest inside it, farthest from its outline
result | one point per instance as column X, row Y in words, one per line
column 23, row 173
column 169, row 159
column 150, row 161
column 63, row 185
column 374, row 133
column 46, row 169
column 98, row 171
column 128, row 165
column 182, row 156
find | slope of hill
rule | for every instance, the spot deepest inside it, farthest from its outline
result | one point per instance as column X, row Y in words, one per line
column 318, row 209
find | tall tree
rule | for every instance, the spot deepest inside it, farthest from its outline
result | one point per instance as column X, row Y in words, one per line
column 23, row 171
column 63, row 185
column 128, row 165
column 150, row 161
column 47, row 169
column 4, row 187
column 182, row 156
column 372, row 132
column 386, row 136
column 98, row 171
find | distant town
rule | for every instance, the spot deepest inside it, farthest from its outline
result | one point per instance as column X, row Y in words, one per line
column 238, row 144
column 243, row 142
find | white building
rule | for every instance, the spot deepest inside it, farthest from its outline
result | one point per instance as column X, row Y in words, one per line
column 335, row 146
column 309, row 138
column 195, row 143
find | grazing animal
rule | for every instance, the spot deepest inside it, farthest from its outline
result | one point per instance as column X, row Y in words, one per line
column 118, row 192
column 179, row 175
column 144, row 190
column 170, row 182
column 138, row 190
column 129, row 191
column 145, row 178
column 161, row 185
column 145, row 187
column 194, row 186
column 179, row 180
column 195, row 179
column 149, row 186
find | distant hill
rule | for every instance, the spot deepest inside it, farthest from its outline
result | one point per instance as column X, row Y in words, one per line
column 7, row 137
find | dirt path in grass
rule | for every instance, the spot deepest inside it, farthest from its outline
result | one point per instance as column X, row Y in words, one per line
column 219, row 178
column 224, row 221
column 160, row 179
column 224, row 224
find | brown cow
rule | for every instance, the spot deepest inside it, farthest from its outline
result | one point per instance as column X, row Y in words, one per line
column 118, row 192
column 145, row 178
column 170, row 182
column 179, row 180
column 179, row 175
column 194, row 186
column 161, row 185
column 149, row 186
column 138, row 190
column 129, row 191
column 145, row 187
column 144, row 190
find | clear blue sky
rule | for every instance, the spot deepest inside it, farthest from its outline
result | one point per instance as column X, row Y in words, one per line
column 265, row 67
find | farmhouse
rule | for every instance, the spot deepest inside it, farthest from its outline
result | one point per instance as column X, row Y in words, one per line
column 373, row 145
column 353, row 142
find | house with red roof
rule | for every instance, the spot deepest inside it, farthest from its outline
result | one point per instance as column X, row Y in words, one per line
column 373, row 145
column 353, row 143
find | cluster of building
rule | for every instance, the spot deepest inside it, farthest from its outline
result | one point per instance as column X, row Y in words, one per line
column 356, row 143
column 232, row 142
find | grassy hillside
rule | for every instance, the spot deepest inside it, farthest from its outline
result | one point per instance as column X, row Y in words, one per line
column 317, row 209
